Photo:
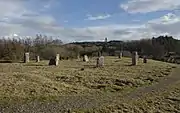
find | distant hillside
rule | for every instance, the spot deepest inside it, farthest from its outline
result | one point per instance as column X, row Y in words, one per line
column 113, row 42
column 155, row 47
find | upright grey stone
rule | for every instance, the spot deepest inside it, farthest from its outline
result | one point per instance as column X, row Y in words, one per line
column 57, row 59
column 37, row 59
column 144, row 59
column 26, row 57
column 54, row 60
column 85, row 58
column 100, row 61
column 135, row 58
column 99, row 54
column 120, row 55
column 78, row 56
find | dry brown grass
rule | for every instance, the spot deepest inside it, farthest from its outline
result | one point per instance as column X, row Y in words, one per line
column 35, row 80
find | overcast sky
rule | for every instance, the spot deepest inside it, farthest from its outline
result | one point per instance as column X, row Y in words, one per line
column 90, row 20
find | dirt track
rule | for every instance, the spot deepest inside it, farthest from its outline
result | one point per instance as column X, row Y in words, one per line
column 159, row 87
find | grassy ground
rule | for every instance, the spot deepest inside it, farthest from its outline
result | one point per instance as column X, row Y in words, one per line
column 166, row 100
column 40, row 82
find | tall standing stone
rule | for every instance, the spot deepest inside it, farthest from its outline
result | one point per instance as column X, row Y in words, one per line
column 85, row 58
column 120, row 55
column 144, row 59
column 37, row 59
column 100, row 61
column 26, row 57
column 99, row 54
column 135, row 58
column 78, row 56
column 57, row 59
column 60, row 58
column 54, row 60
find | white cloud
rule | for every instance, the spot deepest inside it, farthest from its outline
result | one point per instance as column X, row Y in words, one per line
column 9, row 8
column 25, row 22
column 144, row 6
column 15, row 35
column 169, row 23
column 169, row 18
column 99, row 17
column 48, row 4
column 16, row 18
column 116, row 31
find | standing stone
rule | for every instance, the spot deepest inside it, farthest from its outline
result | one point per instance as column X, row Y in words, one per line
column 37, row 59
column 78, row 56
column 144, row 59
column 120, row 55
column 99, row 54
column 60, row 58
column 135, row 58
column 54, row 60
column 67, row 58
column 26, row 57
column 85, row 58
column 57, row 59
column 100, row 61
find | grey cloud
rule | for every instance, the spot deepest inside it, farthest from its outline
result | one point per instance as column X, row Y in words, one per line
column 30, row 23
column 121, row 32
column 145, row 6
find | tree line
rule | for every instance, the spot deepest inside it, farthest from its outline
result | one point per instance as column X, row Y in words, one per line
column 46, row 47
column 155, row 48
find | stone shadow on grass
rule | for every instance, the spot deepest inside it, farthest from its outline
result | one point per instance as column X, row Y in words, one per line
column 128, row 65
column 117, row 60
column 39, row 65
column 6, row 61
column 10, row 61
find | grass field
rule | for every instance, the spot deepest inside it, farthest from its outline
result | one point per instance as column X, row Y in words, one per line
column 38, row 81
column 167, row 101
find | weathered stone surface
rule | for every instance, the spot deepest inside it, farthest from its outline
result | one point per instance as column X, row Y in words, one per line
column 78, row 56
column 100, row 61
column 135, row 58
column 57, row 59
column 54, row 60
column 144, row 59
column 60, row 58
column 67, row 58
column 85, row 58
column 99, row 54
column 26, row 57
column 120, row 55
column 37, row 59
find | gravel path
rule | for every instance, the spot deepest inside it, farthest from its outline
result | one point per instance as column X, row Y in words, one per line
column 67, row 103
column 159, row 87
